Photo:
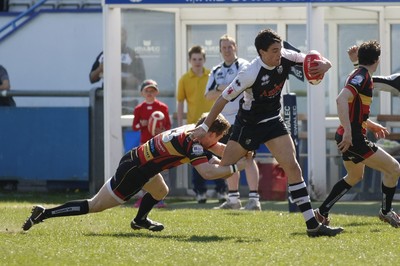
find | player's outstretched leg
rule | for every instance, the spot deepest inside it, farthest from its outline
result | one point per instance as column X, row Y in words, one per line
column 35, row 218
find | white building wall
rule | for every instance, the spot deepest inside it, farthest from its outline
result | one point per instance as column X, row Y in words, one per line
column 64, row 45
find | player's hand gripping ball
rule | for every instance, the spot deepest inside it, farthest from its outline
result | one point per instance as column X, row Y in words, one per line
column 156, row 123
column 309, row 62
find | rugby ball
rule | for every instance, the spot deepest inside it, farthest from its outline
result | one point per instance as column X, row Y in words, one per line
column 309, row 62
column 156, row 121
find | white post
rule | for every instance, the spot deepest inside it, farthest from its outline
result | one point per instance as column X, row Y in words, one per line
column 112, row 89
column 316, row 138
column 384, row 65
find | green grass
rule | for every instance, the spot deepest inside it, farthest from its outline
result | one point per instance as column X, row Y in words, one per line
column 193, row 235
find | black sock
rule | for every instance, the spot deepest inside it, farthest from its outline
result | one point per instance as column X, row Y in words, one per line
column 299, row 195
column 387, row 198
column 75, row 207
column 338, row 190
column 145, row 207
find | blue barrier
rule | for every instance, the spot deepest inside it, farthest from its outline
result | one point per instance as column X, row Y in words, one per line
column 46, row 143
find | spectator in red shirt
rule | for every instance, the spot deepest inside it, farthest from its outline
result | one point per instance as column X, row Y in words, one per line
column 142, row 113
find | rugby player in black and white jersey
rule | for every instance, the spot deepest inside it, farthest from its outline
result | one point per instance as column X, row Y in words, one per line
column 259, row 120
column 220, row 77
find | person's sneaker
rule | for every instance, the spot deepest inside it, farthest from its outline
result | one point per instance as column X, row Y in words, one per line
column 252, row 205
column 222, row 197
column 147, row 224
column 35, row 218
column 324, row 230
column 320, row 218
column 391, row 217
column 228, row 205
column 201, row 198
column 161, row 204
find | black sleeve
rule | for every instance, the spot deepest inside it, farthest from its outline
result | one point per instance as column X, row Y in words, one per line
column 387, row 83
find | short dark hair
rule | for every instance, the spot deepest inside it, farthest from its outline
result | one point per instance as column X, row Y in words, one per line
column 265, row 39
column 220, row 126
column 226, row 37
column 197, row 49
column 369, row 52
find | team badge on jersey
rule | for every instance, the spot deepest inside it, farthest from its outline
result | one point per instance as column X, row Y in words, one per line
column 357, row 80
column 265, row 80
column 237, row 82
column 230, row 90
column 197, row 149
column 279, row 69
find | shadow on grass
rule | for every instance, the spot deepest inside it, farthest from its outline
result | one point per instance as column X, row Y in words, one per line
column 183, row 238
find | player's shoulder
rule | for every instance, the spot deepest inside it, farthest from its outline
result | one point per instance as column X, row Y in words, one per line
column 242, row 61
column 217, row 67
column 292, row 55
column 255, row 65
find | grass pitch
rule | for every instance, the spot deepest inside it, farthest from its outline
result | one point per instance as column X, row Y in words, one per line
column 193, row 235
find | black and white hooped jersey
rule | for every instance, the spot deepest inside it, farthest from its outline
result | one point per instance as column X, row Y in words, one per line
column 261, row 86
column 223, row 75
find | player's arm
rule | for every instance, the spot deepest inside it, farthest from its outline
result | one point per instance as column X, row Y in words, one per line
column 388, row 83
column 378, row 130
column 201, row 130
column 212, row 171
column 218, row 149
column 353, row 55
column 211, row 95
column 321, row 67
column 342, row 102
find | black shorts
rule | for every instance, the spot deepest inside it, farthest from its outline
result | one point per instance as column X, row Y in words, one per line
column 362, row 148
column 251, row 136
column 226, row 137
column 129, row 178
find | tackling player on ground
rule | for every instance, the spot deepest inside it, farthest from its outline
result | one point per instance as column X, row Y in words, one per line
column 141, row 167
